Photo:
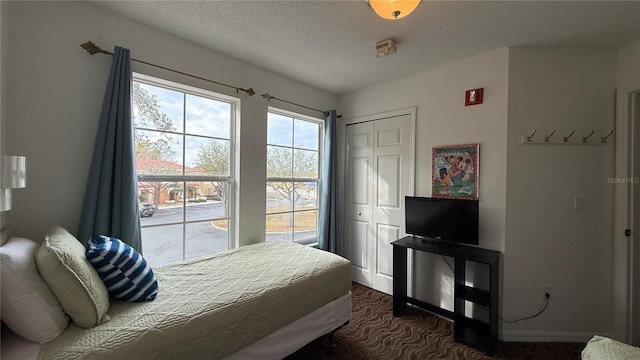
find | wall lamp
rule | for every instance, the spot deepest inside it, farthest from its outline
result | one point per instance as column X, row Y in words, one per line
column 13, row 176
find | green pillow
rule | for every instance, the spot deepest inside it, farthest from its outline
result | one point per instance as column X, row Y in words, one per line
column 75, row 282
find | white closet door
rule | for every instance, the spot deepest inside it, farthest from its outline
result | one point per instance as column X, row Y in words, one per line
column 379, row 174
column 358, row 192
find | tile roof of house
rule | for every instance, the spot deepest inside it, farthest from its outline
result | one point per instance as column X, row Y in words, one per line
column 154, row 166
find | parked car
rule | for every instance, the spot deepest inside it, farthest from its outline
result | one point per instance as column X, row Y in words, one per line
column 147, row 210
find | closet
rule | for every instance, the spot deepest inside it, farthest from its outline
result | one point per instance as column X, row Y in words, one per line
column 379, row 172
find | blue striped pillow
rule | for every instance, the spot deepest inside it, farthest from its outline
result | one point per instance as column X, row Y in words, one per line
column 123, row 270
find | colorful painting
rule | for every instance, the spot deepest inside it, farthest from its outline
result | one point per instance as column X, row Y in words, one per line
column 455, row 171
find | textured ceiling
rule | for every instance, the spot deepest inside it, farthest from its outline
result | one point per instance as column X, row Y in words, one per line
column 331, row 44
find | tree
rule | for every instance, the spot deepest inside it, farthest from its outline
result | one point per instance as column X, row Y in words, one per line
column 149, row 110
column 213, row 158
column 149, row 116
column 156, row 150
column 281, row 162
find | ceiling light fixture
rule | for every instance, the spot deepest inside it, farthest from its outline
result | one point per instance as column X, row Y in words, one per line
column 393, row 9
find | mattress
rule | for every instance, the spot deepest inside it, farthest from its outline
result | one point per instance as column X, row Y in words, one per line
column 212, row 307
column 277, row 345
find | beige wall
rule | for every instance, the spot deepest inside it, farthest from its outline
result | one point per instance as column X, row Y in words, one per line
column 548, row 242
column 4, row 42
column 526, row 191
column 629, row 64
column 56, row 92
column 442, row 119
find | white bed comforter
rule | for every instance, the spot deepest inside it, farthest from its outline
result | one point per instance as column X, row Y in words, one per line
column 604, row 348
column 210, row 308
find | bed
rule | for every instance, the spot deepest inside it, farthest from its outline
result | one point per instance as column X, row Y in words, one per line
column 261, row 301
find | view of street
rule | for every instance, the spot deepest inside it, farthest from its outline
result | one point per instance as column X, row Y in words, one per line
column 163, row 244
column 180, row 133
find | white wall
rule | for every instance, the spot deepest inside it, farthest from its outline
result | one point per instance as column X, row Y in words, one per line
column 548, row 243
column 442, row 119
column 629, row 64
column 56, row 92
column 526, row 191
column 4, row 38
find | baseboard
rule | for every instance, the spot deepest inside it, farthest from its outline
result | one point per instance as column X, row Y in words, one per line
column 548, row 336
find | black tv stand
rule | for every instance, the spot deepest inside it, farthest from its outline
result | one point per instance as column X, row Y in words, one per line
column 473, row 332
column 440, row 242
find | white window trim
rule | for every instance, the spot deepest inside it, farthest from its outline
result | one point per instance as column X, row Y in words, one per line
column 313, row 241
column 234, row 165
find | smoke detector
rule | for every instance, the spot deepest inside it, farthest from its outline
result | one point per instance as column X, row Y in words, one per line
column 385, row 47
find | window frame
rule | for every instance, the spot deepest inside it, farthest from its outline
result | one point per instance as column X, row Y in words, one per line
column 230, row 179
column 312, row 241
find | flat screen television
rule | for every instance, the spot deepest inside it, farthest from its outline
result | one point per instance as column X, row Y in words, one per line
column 449, row 221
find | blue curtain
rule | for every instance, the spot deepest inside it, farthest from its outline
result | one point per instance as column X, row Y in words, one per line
column 110, row 204
column 328, row 234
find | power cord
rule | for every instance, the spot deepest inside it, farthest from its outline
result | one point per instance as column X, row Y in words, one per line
column 546, row 297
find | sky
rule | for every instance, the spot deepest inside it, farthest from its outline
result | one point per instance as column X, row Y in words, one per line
column 211, row 118
column 204, row 116
column 283, row 130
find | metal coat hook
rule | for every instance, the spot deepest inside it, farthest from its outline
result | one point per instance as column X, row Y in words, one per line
column 584, row 139
column 531, row 136
column 604, row 139
column 546, row 138
column 565, row 139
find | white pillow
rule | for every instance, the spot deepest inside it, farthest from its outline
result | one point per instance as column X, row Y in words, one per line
column 600, row 347
column 63, row 265
column 29, row 307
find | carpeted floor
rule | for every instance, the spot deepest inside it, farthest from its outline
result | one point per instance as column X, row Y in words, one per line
column 374, row 334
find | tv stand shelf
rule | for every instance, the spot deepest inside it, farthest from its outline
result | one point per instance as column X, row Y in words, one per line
column 473, row 332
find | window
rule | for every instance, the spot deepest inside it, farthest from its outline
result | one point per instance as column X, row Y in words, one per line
column 293, row 177
column 184, row 143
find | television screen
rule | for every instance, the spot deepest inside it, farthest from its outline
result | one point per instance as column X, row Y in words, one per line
column 442, row 219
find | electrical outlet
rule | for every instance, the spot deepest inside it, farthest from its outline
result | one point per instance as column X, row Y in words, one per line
column 547, row 289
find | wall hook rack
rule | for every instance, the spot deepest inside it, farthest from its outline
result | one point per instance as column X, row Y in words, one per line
column 566, row 140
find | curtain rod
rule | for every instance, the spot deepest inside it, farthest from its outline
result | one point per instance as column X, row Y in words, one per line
column 269, row 98
column 93, row 49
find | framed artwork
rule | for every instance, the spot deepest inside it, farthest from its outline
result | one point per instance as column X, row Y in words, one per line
column 455, row 171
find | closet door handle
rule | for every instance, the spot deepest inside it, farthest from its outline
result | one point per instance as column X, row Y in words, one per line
column 359, row 213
